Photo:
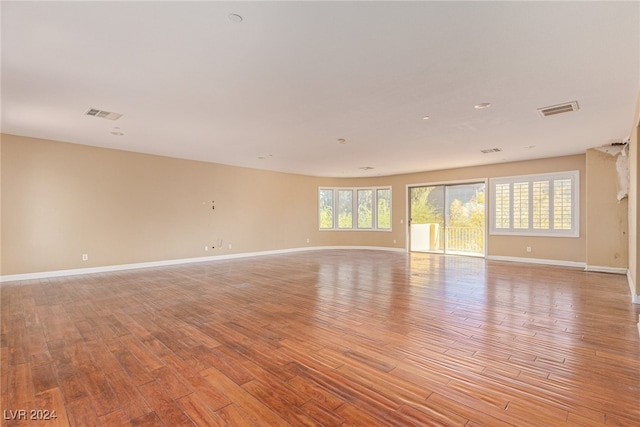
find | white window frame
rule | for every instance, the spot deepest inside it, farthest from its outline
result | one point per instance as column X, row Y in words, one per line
column 354, row 210
column 574, row 231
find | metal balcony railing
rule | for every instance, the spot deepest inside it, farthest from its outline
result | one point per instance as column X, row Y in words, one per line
column 465, row 239
column 430, row 238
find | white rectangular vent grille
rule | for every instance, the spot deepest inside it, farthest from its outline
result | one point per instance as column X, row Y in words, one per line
column 103, row 114
column 558, row 109
column 491, row 150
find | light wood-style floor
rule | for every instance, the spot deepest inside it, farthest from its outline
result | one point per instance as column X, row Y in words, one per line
column 335, row 338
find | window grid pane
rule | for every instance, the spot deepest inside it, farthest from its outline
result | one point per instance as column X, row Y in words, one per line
column 502, row 213
column 345, row 209
column 541, row 205
column 562, row 198
column 384, row 208
column 326, row 209
column 521, row 205
column 365, row 209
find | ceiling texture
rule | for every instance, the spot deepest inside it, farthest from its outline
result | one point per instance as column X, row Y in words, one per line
column 335, row 89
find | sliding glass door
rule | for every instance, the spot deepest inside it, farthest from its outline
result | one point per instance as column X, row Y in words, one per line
column 447, row 218
column 426, row 221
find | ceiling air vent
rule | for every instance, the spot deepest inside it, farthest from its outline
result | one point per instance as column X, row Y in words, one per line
column 103, row 114
column 491, row 150
column 558, row 109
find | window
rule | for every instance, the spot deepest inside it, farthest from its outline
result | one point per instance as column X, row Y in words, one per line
column 365, row 210
column 345, row 209
column 521, row 205
column 383, row 216
column 355, row 208
column 326, row 209
column 541, row 205
column 502, row 213
column 535, row 205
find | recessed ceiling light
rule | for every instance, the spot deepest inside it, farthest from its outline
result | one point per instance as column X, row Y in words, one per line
column 366, row 168
column 235, row 18
column 342, row 141
column 426, row 118
column 482, row 105
column 116, row 133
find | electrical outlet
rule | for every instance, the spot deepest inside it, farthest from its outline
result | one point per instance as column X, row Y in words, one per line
column 229, row 245
column 307, row 240
column 206, row 248
column 528, row 248
column 85, row 257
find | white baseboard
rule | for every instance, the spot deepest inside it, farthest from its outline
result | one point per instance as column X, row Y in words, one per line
column 122, row 267
column 555, row 262
column 634, row 297
column 603, row 269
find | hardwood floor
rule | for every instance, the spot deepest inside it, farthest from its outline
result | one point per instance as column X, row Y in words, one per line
column 335, row 338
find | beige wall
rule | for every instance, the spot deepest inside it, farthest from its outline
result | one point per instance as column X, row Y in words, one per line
column 607, row 218
column 634, row 204
column 62, row 200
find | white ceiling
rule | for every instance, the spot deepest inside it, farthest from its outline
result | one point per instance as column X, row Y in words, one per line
column 294, row 77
